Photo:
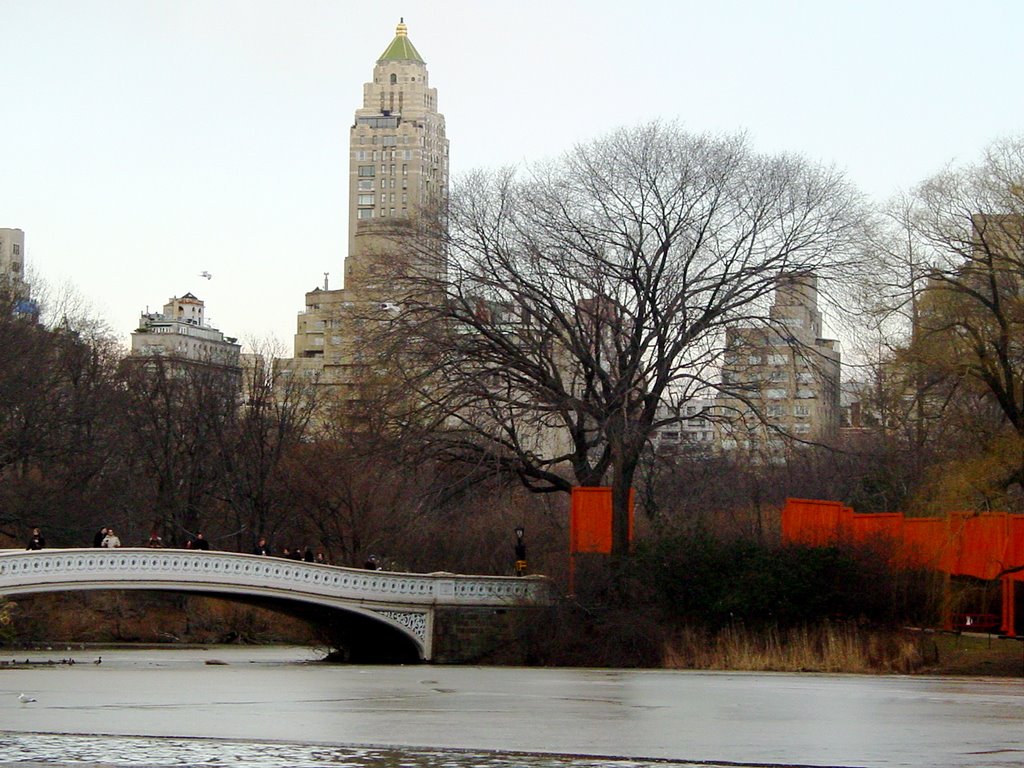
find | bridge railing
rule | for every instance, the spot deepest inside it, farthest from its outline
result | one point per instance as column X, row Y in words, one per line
column 162, row 568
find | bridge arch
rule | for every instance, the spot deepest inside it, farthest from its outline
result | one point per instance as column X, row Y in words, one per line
column 405, row 603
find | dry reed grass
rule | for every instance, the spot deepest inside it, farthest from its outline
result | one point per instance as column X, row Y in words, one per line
column 825, row 648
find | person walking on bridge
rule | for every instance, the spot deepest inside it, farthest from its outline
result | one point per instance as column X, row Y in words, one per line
column 262, row 547
column 36, row 540
column 111, row 540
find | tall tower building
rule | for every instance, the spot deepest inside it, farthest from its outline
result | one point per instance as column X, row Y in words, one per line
column 398, row 152
column 398, row 166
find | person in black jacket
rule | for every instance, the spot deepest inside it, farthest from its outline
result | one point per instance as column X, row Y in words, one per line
column 36, row 540
column 262, row 547
column 101, row 534
column 199, row 542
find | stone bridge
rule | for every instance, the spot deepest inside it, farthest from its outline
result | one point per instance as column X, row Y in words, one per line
column 440, row 617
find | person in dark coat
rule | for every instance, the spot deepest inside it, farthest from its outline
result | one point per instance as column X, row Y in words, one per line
column 262, row 547
column 308, row 555
column 36, row 540
column 199, row 542
column 101, row 534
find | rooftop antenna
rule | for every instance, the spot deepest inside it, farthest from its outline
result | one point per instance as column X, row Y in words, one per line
column 325, row 279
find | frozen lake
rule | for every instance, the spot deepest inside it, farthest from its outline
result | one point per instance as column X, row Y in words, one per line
column 275, row 706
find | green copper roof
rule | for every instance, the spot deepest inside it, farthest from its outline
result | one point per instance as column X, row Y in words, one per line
column 401, row 48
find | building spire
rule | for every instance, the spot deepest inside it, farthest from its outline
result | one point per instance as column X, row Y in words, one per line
column 401, row 48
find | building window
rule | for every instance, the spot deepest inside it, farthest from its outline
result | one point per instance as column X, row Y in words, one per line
column 366, row 170
column 394, row 79
column 365, row 213
column 776, row 394
column 801, row 410
column 365, row 185
column 366, row 200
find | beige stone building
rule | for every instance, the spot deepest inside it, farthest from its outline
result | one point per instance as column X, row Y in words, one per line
column 180, row 332
column 781, row 380
column 398, row 166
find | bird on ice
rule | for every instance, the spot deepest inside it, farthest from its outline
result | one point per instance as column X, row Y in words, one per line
column 206, row 274
column 25, row 698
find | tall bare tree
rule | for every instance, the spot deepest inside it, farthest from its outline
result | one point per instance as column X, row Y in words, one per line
column 965, row 229
column 175, row 411
column 274, row 417
column 57, row 438
column 545, row 317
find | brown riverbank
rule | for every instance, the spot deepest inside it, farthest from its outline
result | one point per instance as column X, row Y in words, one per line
column 112, row 618
column 848, row 649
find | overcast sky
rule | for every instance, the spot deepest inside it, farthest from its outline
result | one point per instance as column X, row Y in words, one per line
column 144, row 142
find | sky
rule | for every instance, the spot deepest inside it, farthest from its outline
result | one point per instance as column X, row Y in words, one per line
column 143, row 142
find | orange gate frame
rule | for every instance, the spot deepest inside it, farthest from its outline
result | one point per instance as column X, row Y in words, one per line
column 988, row 545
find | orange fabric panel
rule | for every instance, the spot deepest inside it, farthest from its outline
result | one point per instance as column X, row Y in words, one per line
column 887, row 525
column 814, row 522
column 590, row 521
column 924, row 542
column 1014, row 555
column 969, row 544
column 979, row 544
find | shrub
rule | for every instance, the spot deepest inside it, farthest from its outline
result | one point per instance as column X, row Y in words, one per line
column 697, row 578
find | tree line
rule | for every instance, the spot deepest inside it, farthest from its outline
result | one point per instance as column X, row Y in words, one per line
column 541, row 328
